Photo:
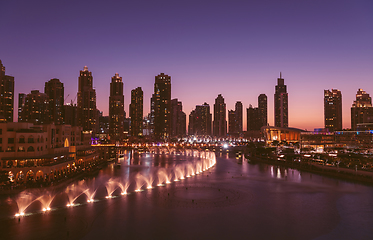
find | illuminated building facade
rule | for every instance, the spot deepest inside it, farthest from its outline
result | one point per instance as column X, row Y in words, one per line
column 262, row 106
column 361, row 110
column 161, row 106
column 137, row 112
column 220, row 117
column 86, row 101
column 21, row 105
column 281, row 104
column 235, row 119
column 333, row 109
column 200, row 121
column 257, row 117
column 36, row 108
column 55, row 92
column 116, row 108
column 253, row 119
column 178, row 119
column 6, row 96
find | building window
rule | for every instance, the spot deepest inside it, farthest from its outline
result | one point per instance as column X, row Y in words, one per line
column 21, row 149
column 30, row 139
column 30, row 149
column 1, row 131
column 10, row 140
column 1, row 140
column 21, row 139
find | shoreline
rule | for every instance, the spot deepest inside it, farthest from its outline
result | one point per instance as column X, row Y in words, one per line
column 341, row 173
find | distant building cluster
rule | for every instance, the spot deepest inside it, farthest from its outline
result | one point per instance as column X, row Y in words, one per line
column 166, row 119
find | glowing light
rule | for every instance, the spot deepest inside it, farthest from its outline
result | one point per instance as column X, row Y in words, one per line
column 138, row 190
column 108, row 197
column 168, row 182
column 149, row 187
column 124, row 193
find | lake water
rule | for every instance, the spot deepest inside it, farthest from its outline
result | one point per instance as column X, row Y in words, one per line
column 232, row 200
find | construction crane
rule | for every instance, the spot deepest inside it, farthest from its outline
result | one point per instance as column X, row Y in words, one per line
column 66, row 98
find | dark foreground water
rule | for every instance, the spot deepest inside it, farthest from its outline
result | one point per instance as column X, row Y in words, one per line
column 232, row 200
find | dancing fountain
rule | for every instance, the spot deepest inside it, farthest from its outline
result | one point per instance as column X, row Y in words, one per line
column 203, row 161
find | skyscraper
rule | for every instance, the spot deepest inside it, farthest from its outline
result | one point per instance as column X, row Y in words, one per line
column 238, row 117
column 281, row 104
column 136, row 112
column 262, row 105
column 161, row 102
column 257, row 117
column 21, row 105
column 253, row 119
column 6, row 95
column 178, row 119
column 86, row 101
column 116, row 108
column 220, row 117
column 55, row 92
column 361, row 110
column 35, row 109
column 232, row 126
column 333, row 109
column 200, row 121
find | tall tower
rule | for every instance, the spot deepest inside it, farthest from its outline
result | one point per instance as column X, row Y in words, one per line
column 238, row 117
column 220, row 117
column 161, row 101
column 361, row 110
column 116, row 108
column 281, row 104
column 178, row 119
column 232, row 127
column 55, row 91
column 262, row 106
column 86, row 101
column 136, row 111
column 6, row 95
column 200, row 121
column 333, row 109
column 21, row 105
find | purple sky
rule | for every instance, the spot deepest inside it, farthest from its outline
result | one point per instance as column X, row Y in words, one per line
column 236, row 48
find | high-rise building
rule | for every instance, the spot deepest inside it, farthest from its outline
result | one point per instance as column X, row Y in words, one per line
column 361, row 110
column 6, row 96
column 254, row 122
column 21, row 105
column 333, row 109
column 161, row 104
column 178, row 119
column 35, row 109
column 281, row 104
column 136, row 112
column 86, row 101
column 70, row 114
column 116, row 108
column 232, row 125
column 200, row 121
column 238, row 117
column 55, row 92
column 220, row 117
column 235, row 119
column 257, row 117
column 262, row 105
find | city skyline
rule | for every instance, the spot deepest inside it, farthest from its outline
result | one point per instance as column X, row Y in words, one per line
column 239, row 56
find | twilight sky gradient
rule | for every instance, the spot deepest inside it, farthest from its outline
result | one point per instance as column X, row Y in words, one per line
column 236, row 48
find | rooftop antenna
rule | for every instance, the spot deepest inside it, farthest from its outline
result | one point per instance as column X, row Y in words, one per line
column 280, row 75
